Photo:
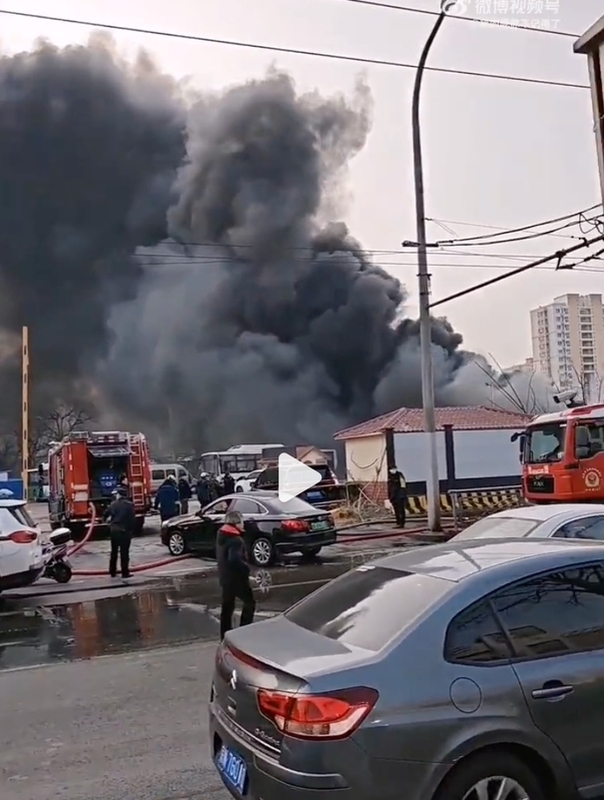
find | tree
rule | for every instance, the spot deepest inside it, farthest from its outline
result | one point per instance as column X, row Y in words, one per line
column 518, row 390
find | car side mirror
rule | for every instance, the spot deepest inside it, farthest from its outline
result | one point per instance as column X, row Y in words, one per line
column 582, row 437
column 583, row 451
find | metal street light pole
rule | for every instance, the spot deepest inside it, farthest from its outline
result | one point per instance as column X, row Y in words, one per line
column 432, row 482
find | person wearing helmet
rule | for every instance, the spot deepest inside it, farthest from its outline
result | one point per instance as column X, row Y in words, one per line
column 167, row 499
column 122, row 522
column 233, row 573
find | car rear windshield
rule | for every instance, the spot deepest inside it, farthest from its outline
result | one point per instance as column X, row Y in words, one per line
column 293, row 506
column 367, row 607
column 21, row 514
column 499, row 528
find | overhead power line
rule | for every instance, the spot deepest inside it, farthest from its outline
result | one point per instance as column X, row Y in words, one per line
column 463, row 18
column 293, row 51
column 558, row 257
column 593, row 222
column 506, row 232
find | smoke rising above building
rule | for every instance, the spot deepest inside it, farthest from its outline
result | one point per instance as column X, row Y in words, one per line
column 176, row 258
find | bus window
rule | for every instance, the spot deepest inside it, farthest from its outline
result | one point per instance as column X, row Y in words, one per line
column 209, row 463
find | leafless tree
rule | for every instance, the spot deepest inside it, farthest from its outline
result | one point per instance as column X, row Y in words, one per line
column 501, row 382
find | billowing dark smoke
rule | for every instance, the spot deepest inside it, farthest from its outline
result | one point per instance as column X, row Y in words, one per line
column 177, row 264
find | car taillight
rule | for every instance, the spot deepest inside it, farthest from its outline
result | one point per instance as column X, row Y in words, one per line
column 297, row 525
column 332, row 716
column 23, row 537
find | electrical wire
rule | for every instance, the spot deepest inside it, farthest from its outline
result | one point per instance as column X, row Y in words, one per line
column 501, row 230
column 580, row 214
column 557, row 256
column 464, row 17
column 293, row 51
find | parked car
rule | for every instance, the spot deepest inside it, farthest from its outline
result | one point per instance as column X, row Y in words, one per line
column 271, row 527
column 464, row 671
column 558, row 520
column 22, row 546
column 159, row 473
column 247, row 483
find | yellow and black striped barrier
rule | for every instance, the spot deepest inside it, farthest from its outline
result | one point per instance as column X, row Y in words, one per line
column 485, row 500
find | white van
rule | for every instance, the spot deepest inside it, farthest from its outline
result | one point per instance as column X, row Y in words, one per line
column 159, row 473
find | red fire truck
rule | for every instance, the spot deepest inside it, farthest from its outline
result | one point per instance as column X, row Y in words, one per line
column 86, row 467
column 563, row 456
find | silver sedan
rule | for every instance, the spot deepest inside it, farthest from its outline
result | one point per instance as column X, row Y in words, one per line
column 559, row 520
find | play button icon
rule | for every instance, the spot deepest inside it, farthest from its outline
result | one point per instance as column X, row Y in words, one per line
column 295, row 477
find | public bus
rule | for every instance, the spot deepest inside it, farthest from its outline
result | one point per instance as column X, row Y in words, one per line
column 239, row 460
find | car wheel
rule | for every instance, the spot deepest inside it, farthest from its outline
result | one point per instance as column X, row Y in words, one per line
column 176, row 544
column 262, row 552
column 238, row 488
column 492, row 774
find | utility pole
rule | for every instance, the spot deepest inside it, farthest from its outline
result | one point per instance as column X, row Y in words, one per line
column 24, row 408
column 432, row 482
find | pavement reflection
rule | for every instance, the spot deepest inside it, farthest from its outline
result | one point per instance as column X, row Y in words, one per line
column 171, row 612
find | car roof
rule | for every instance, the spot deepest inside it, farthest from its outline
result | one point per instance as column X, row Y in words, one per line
column 542, row 513
column 6, row 503
column 491, row 559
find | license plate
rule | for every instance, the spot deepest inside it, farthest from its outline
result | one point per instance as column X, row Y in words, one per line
column 319, row 526
column 232, row 767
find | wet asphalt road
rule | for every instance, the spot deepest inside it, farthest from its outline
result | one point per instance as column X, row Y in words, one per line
column 131, row 724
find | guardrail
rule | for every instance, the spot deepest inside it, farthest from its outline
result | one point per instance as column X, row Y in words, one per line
column 466, row 502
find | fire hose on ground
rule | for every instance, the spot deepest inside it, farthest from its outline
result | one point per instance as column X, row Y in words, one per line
column 260, row 578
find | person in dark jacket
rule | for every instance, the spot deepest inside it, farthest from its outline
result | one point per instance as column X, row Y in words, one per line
column 228, row 483
column 167, row 499
column 204, row 490
column 185, row 493
column 397, row 494
column 215, row 487
column 233, row 573
column 122, row 522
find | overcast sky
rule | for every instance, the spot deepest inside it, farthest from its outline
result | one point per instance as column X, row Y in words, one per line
column 496, row 153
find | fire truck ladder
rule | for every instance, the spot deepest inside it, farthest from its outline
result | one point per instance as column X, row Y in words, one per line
column 137, row 485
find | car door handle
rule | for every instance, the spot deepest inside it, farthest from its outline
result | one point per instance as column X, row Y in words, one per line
column 551, row 692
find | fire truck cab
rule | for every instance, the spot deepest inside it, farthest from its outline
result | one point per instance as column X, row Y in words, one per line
column 85, row 468
column 563, row 456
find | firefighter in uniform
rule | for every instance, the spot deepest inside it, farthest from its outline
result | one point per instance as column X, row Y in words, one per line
column 122, row 522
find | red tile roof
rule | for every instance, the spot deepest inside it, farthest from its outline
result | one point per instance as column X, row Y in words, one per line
column 462, row 418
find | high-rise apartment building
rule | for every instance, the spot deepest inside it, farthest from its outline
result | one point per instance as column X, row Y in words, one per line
column 568, row 342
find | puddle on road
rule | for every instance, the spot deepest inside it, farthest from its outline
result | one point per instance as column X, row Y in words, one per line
column 174, row 611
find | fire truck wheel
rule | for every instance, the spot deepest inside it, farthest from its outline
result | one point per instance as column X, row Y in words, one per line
column 78, row 530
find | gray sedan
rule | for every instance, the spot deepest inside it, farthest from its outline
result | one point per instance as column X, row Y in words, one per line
column 558, row 520
column 470, row 670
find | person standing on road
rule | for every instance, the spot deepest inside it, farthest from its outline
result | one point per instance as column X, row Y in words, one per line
column 122, row 522
column 167, row 499
column 228, row 483
column 397, row 494
column 233, row 573
column 203, row 490
column 185, row 494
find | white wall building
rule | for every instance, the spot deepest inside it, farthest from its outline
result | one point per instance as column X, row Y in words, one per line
column 568, row 342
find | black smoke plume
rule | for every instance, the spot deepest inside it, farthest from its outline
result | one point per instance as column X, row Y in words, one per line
column 175, row 258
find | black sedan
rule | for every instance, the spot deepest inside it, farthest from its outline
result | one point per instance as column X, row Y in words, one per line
column 272, row 527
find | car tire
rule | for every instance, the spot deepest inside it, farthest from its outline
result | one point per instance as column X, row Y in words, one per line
column 262, row 551
column 490, row 769
column 311, row 552
column 238, row 488
column 177, row 544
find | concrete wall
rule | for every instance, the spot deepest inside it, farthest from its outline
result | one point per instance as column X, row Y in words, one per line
column 487, row 457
